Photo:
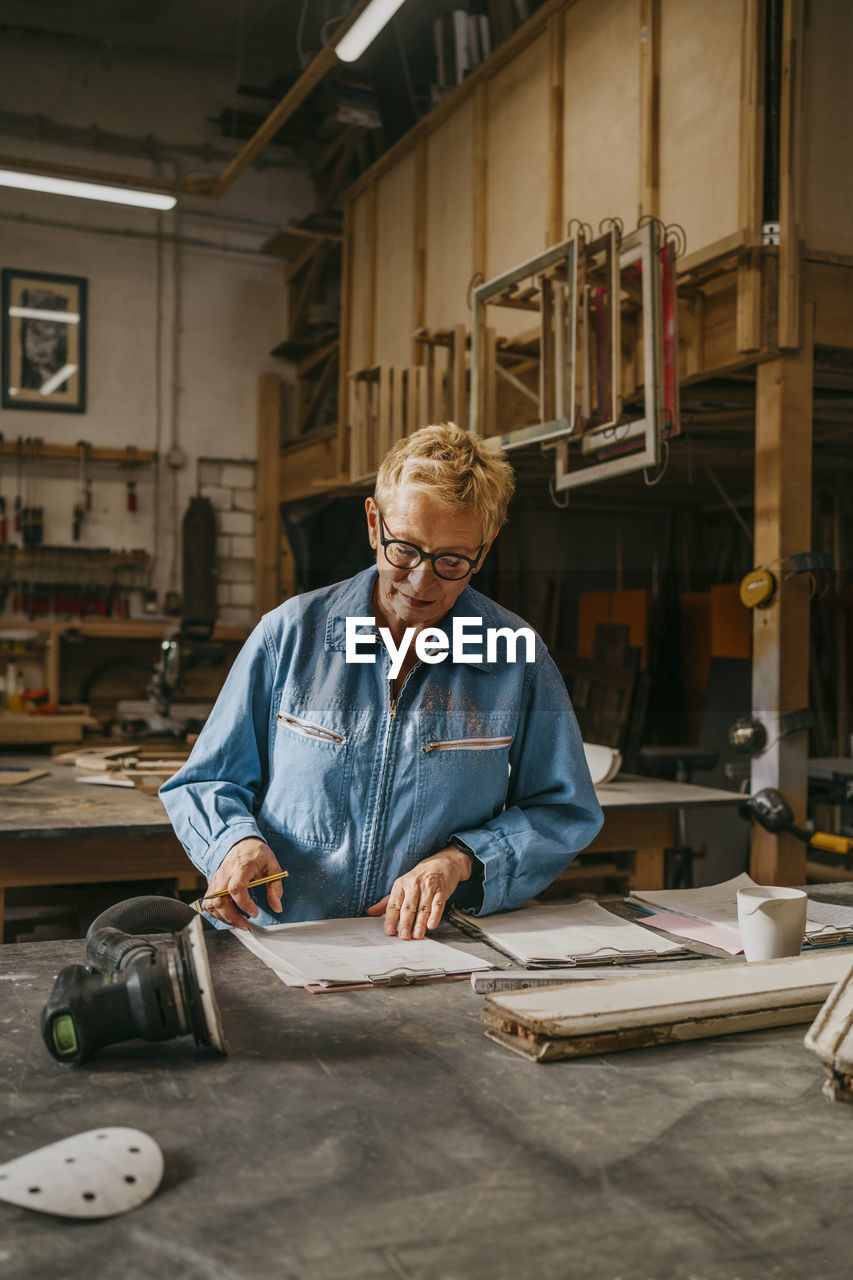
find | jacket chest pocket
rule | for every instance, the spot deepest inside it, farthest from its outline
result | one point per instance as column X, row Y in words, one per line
column 463, row 776
column 307, row 794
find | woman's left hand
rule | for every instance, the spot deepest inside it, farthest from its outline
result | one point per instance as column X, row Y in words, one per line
column 417, row 899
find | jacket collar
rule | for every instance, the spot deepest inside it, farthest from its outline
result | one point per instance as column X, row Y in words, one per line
column 354, row 599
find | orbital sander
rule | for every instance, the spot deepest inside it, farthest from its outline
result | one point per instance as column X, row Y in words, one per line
column 134, row 988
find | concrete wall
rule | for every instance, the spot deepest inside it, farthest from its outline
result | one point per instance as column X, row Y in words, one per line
column 183, row 307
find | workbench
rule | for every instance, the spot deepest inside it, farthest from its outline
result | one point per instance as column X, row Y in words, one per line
column 640, row 822
column 378, row 1135
column 57, row 830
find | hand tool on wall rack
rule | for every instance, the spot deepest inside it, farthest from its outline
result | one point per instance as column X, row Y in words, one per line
column 84, row 492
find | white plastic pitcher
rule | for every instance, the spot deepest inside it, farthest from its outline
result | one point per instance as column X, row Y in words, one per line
column 772, row 921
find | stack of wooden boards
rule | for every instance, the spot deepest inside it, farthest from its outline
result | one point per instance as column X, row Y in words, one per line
column 127, row 765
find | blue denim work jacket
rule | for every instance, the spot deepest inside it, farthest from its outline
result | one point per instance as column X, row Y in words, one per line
column 350, row 791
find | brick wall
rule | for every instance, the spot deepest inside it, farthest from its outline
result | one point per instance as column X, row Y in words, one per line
column 231, row 488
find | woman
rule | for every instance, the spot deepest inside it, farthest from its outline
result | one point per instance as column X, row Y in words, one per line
column 384, row 773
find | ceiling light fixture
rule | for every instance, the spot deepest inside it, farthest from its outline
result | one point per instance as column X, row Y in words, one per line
column 365, row 29
column 85, row 190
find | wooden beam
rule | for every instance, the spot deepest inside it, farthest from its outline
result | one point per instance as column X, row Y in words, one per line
column 300, row 262
column 751, row 176
column 268, row 518
column 420, row 246
column 129, row 456
column 319, row 392
column 370, row 292
column 790, row 168
column 649, row 194
column 554, row 232
column 304, row 293
column 830, row 287
column 342, row 442
column 780, row 663
column 481, row 177
column 459, row 388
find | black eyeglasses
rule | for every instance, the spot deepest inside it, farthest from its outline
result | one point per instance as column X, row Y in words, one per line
column 406, row 555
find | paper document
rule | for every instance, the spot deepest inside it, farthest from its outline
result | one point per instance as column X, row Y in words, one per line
column 344, row 952
column 717, row 904
column 714, row 935
column 567, row 933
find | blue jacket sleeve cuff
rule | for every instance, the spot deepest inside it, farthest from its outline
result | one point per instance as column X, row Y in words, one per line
column 218, row 848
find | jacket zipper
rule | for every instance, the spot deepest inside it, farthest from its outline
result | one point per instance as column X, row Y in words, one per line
column 468, row 744
column 386, row 751
column 308, row 729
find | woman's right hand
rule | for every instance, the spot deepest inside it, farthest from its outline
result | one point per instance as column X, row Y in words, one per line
column 249, row 859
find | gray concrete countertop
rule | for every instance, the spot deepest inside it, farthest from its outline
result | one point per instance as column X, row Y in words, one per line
column 378, row 1135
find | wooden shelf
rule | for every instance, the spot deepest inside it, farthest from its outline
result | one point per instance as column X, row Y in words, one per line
column 31, row 450
column 55, row 630
column 91, row 557
column 114, row 628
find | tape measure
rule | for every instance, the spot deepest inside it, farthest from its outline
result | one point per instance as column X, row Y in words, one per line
column 757, row 588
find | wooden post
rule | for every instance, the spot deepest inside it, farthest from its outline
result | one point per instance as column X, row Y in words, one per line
column 481, row 176
column 345, row 399
column 488, row 422
column 751, row 175
column 780, row 663
column 384, row 431
column 268, row 517
column 649, row 107
column 370, row 292
column 459, row 394
column 556, row 128
column 790, row 146
column 420, row 264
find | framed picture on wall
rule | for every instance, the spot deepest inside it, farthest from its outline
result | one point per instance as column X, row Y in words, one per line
column 43, row 341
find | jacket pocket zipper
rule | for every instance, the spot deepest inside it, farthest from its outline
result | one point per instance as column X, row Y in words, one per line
column 308, row 729
column 468, row 744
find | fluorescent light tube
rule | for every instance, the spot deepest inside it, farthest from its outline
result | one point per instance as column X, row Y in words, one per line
column 85, row 190
column 365, row 29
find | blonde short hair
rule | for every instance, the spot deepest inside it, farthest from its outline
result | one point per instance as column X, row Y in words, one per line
column 454, row 468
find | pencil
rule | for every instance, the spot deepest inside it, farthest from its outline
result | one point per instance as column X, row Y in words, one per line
column 224, row 893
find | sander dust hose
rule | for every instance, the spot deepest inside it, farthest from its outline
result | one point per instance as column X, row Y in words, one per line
column 114, row 934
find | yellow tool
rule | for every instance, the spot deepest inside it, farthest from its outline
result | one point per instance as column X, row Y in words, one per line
column 224, row 893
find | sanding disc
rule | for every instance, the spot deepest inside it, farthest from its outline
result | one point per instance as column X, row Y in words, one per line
column 95, row 1174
